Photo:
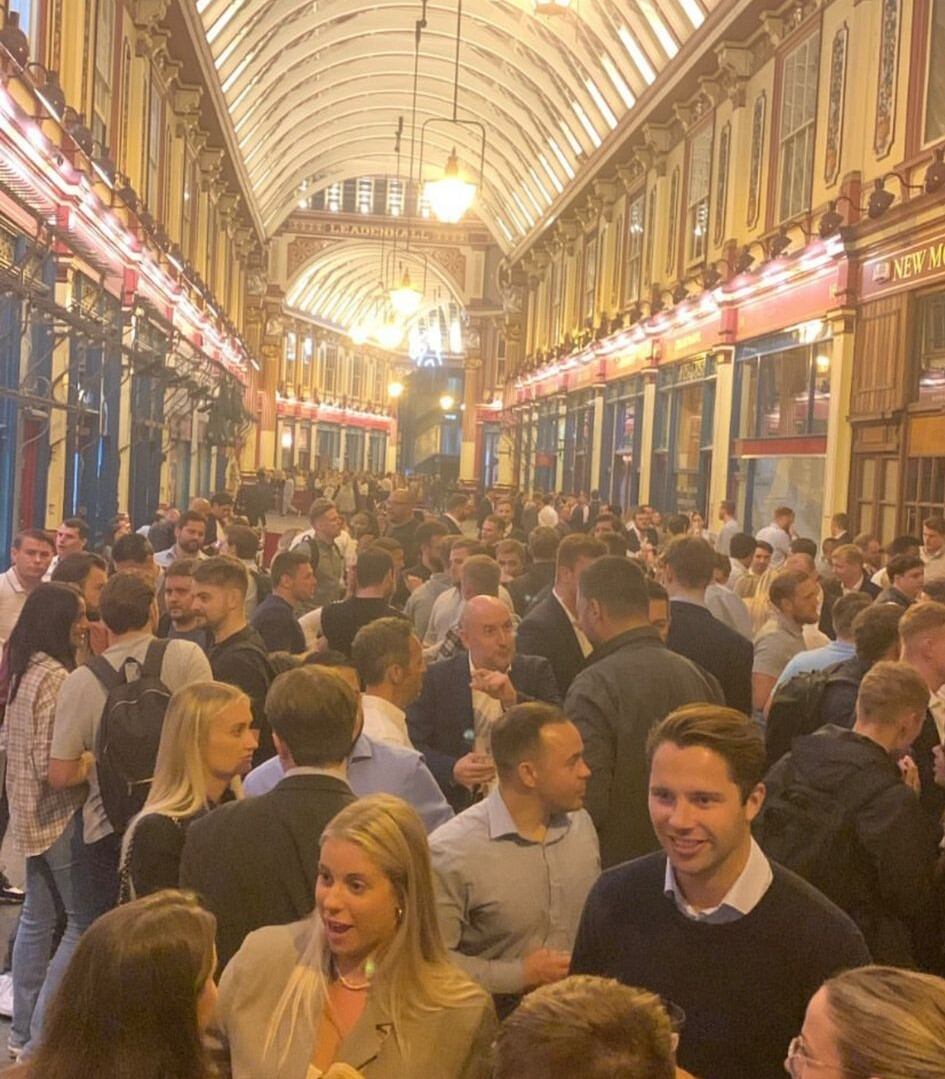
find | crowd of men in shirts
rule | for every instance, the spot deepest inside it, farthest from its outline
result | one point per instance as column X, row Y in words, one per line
column 608, row 859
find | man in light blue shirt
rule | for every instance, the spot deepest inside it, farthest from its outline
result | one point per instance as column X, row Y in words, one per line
column 512, row 872
column 845, row 610
column 373, row 767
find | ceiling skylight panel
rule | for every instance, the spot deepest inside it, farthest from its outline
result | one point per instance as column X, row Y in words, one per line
column 521, row 209
column 552, row 175
column 538, row 183
column 637, row 55
column 235, row 74
column 659, row 28
column 217, row 28
column 586, row 124
column 562, row 160
column 694, row 12
column 572, row 139
column 626, row 94
column 605, row 110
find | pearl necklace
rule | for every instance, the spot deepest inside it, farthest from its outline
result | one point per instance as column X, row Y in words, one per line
column 368, row 971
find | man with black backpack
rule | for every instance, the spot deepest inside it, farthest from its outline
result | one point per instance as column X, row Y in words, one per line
column 238, row 655
column 109, row 718
column 842, row 812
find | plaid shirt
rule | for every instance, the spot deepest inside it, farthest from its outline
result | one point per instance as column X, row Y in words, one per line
column 38, row 814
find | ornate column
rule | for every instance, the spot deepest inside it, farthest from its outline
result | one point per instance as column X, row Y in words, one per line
column 721, row 429
column 472, row 371
column 646, row 440
column 839, row 432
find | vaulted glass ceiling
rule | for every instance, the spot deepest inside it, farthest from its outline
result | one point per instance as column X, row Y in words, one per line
column 316, row 88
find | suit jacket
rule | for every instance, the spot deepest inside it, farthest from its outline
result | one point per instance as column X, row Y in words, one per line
column 694, row 632
column 932, row 797
column 633, row 538
column 833, row 590
column 440, row 720
column 525, row 589
column 255, row 862
column 452, row 526
column 547, row 631
column 452, row 1041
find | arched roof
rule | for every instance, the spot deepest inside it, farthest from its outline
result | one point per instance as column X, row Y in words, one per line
column 315, row 89
column 343, row 285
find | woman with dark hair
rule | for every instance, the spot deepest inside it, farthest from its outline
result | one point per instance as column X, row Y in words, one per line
column 136, row 998
column 46, row 824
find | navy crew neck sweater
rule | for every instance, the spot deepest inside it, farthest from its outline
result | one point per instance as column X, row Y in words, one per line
column 743, row 985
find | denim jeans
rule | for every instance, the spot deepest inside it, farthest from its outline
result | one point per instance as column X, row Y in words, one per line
column 57, row 883
column 103, row 857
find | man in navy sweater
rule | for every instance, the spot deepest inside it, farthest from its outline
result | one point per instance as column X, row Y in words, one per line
column 740, row 944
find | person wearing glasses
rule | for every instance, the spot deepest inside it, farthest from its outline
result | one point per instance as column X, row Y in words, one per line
column 872, row 1023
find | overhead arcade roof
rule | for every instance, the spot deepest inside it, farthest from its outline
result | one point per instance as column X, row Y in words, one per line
column 316, row 88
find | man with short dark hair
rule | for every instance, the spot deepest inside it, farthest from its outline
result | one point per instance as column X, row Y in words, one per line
column 910, row 545
column 293, row 584
column 389, row 659
column 255, row 862
column 630, row 682
column 933, row 547
column 840, row 529
column 429, row 537
column 849, row 575
column 551, row 629
column 189, row 538
column 512, row 872
column 492, row 531
column 72, row 537
column 458, row 509
column 238, row 655
column 242, row 542
column 730, row 527
column 693, row 630
column 374, row 573
column 134, row 554
column 839, row 650
column 779, row 534
column 218, row 519
column 875, row 638
column 539, row 576
column 129, row 612
column 510, row 554
column 179, row 621
column 320, row 541
column 906, row 578
column 89, row 573
column 30, row 557
column 747, row 584
column 872, row 549
column 687, row 922
column 419, row 605
column 640, row 531
column 794, row 596
column 741, row 550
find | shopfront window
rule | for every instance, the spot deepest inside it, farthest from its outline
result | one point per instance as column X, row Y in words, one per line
column 876, row 487
column 935, row 82
column 700, row 172
column 762, row 484
column 785, row 394
column 635, row 229
column 685, row 413
column 931, row 345
column 623, row 425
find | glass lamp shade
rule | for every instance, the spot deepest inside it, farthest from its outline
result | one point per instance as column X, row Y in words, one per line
column 450, row 196
column 405, row 299
column 390, row 335
column 359, row 333
column 395, row 389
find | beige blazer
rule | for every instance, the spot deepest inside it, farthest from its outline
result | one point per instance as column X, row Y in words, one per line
column 453, row 1043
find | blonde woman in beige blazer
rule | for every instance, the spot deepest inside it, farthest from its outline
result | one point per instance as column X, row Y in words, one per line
column 366, row 981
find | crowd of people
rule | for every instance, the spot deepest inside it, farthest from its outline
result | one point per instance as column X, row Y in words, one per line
column 517, row 787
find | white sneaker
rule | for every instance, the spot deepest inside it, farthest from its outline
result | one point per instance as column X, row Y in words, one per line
column 6, row 995
column 14, row 1051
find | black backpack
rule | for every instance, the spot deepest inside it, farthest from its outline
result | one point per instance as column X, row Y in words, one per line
column 795, row 709
column 812, row 832
column 129, row 732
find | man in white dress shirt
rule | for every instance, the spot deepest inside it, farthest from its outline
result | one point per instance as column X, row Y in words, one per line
column 779, row 534
column 30, row 556
column 389, row 660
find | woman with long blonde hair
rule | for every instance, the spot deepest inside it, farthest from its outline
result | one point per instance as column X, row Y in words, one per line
column 873, row 1023
column 207, row 745
column 366, row 980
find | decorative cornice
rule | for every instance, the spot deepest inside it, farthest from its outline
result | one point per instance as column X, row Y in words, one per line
column 148, row 13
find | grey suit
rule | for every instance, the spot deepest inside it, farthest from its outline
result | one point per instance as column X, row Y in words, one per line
column 453, row 1043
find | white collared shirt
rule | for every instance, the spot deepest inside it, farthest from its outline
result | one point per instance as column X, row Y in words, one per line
column 12, row 598
column 937, row 708
column 384, row 721
column 741, row 899
column 586, row 646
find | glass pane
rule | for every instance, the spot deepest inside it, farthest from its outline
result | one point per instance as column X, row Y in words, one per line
column 935, row 94
column 867, row 478
column 887, row 523
column 689, row 429
column 890, row 492
column 820, row 406
column 783, row 393
column 789, row 481
column 912, row 480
